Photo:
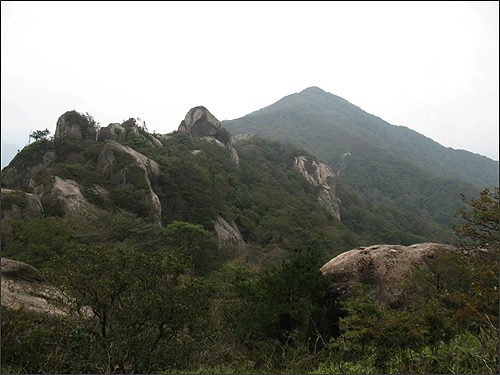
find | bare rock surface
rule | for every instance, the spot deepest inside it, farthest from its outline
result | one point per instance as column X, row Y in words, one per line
column 228, row 232
column 380, row 266
column 321, row 175
column 199, row 122
column 69, row 194
column 24, row 285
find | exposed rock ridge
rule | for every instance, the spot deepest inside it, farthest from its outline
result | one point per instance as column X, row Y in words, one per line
column 118, row 174
column 321, row 175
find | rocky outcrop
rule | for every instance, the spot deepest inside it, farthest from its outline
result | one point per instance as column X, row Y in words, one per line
column 242, row 137
column 19, row 205
column 69, row 195
column 344, row 159
column 228, row 232
column 122, row 164
column 321, row 175
column 113, row 131
column 379, row 266
column 76, row 124
column 200, row 123
column 22, row 175
column 23, row 285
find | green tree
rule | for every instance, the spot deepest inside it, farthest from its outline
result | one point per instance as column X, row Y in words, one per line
column 145, row 307
column 287, row 298
column 481, row 226
column 39, row 134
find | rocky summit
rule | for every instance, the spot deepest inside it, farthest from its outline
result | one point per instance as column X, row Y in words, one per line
column 199, row 122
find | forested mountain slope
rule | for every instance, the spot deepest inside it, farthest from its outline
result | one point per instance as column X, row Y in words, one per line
column 385, row 163
column 198, row 252
column 171, row 178
column 327, row 125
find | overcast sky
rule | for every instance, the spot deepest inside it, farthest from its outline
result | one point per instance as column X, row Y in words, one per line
column 433, row 67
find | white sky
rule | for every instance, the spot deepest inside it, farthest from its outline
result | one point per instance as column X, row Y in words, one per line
column 430, row 66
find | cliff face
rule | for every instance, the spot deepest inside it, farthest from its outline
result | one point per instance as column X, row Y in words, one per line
column 321, row 175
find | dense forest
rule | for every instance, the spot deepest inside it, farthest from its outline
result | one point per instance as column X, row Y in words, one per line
column 170, row 297
column 387, row 164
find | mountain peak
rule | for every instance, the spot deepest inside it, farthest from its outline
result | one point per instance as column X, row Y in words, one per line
column 313, row 89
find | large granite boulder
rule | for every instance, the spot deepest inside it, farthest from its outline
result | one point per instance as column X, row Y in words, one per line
column 379, row 266
column 24, row 286
column 19, row 205
column 321, row 175
column 199, row 122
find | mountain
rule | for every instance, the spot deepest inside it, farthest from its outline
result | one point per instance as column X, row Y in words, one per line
column 383, row 163
column 196, row 249
column 329, row 126
column 248, row 193
column 267, row 197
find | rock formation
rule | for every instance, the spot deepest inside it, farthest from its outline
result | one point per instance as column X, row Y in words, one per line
column 113, row 131
column 321, row 175
column 23, row 285
column 20, row 174
column 200, row 123
column 228, row 232
column 122, row 164
column 69, row 194
column 242, row 137
column 380, row 266
column 74, row 123
column 19, row 205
